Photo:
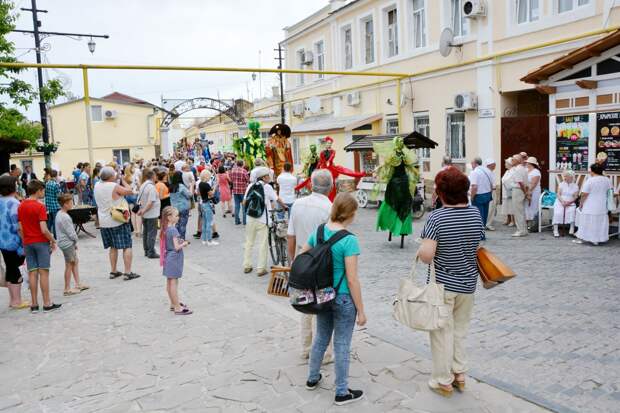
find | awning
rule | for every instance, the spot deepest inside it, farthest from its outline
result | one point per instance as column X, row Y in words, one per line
column 414, row 140
column 573, row 58
column 330, row 123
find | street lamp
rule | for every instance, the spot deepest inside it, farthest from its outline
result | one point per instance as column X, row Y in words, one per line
column 253, row 76
column 91, row 45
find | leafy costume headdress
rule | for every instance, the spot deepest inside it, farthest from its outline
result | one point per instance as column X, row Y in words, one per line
column 250, row 146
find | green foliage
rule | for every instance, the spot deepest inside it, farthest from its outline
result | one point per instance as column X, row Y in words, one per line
column 14, row 125
column 17, row 92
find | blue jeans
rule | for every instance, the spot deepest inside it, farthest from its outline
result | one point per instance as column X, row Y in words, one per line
column 281, row 212
column 482, row 201
column 340, row 321
column 182, row 223
column 207, row 221
column 239, row 208
column 51, row 222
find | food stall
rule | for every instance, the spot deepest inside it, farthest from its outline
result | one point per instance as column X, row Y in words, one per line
column 368, row 189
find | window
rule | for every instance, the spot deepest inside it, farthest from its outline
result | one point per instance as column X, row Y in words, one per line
column 422, row 124
column 391, row 126
column 419, row 24
column 301, row 58
column 319, row 48
column 347, row 47
column 455, row 140
column 457, row 20
column 369, row 40
column 392, row 32
column 96, row 113
column 568, row 5
column 295, row 151
column 122, row 156
column 527, row 11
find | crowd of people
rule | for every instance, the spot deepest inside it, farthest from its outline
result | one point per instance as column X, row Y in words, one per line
column 153, row 200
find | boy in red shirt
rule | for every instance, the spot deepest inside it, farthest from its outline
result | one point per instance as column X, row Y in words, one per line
column 38, row 244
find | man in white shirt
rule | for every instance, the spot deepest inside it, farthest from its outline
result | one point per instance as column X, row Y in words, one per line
column 149, row 211
column 308, row 213
column 519, row 192
column 257, row 229
column 178, row 165
column 481, row 181
column 286, row 187
column 490, row 165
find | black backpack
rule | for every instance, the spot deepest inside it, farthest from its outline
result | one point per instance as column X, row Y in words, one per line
column 311, row 279
column 255, row 201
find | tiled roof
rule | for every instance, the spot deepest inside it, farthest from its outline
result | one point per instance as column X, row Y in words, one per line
column 120, row 97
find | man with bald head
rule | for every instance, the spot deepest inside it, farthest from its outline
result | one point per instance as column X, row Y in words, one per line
column 519, row 192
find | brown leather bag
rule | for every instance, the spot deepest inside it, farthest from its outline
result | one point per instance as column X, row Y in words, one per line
column 493, row 271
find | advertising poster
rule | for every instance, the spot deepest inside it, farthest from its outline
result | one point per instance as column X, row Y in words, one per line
column 572, row 133
column 608, row 140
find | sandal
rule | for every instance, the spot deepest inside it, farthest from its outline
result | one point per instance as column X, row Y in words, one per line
column 131, row 276
column 72, row 291
column 441, row 390
column 458, row 384
column 21, row 306
column 181, row 304
column 82, row 287
column 185, row 311
column 115, row 274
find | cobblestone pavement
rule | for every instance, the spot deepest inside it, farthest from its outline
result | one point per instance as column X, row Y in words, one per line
column 117, row 348
column 551, row 336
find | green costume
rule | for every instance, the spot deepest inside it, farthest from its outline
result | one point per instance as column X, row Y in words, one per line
column 400, row 172
column 311, row 160
column 250, row 146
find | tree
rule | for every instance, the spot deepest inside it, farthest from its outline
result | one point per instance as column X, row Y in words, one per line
column 16, row 132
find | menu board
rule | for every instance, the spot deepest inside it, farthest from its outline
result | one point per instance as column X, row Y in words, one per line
column 608, row 140
column 571, row 146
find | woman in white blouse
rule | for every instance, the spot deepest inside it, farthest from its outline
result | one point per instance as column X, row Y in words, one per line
column 507, row 193
column 533, row 175
column 565, row 207
column 592, row 219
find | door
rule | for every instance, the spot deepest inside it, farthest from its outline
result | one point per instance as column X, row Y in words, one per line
column 527, row 134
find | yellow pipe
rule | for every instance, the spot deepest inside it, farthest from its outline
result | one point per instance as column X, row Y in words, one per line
column 196, row 69
column 89, row 132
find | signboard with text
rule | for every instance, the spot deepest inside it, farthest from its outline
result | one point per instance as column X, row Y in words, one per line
column 571, row 147
column 608, row 140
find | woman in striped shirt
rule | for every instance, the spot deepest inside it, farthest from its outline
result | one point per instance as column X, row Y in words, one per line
column 451, row 238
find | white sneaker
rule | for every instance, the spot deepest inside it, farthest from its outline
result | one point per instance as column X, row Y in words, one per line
column 556, row 234
column 204, row 242
column 212, row 243
column 490, row 227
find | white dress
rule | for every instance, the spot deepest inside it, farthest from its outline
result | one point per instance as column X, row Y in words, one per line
column 562, row 214
column 531, row 208
column 592, row 219
column 507, row 184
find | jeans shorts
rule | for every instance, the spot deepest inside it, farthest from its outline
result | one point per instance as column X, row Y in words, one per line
column 70, row 254
column 37, row 256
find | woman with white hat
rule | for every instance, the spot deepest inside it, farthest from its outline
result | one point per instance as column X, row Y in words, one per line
column 592, row 219
column 507, row 184
column 533, row 175
column 565, row 207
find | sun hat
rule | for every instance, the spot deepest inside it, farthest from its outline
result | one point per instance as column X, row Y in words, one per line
column 261, row 172
column 532, row 160
column 489, row 161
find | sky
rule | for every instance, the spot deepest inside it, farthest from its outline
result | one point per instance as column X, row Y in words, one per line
column 163, row 32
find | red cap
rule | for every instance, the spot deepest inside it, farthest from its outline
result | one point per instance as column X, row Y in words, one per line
column 328, row 139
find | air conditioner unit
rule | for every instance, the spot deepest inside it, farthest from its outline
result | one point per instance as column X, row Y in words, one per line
column 474, row 9
column 110, row 114
column 353, row 98
column 308, row 58
column 465, row 101
column 298, row 109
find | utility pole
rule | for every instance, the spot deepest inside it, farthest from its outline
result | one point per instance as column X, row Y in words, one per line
column 281, row 75
column 37, row 44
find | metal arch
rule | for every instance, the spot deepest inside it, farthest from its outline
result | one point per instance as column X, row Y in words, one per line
column 202, row 103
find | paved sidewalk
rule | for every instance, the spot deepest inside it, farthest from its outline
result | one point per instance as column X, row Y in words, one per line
column 117, row 348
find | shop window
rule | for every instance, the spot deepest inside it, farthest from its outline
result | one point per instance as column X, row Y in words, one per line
column 455, row 140
column 122, row 156
column 527, row 11
column 96, row 113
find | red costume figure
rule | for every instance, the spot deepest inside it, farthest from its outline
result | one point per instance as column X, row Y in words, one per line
column 278, row 148
column 326, row 161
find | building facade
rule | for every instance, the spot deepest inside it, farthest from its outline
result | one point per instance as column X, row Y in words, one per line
column 404, row 36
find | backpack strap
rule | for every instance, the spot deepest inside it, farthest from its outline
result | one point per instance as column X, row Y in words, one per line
column 320, row 236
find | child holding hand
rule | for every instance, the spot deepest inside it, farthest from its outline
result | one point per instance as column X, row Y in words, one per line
column 67, row 242
column 171, row 247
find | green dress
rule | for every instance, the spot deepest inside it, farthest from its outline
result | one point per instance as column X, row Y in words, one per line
column 401, row 175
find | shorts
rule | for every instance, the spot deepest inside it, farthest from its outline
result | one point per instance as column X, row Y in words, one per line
column 13, row 261
column 116, row 237
column 70, row 254
column 37, row 256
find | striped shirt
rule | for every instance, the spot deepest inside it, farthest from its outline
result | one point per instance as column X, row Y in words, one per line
column 458, row 232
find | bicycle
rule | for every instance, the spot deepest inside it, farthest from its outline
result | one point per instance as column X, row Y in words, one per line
column 277, row 239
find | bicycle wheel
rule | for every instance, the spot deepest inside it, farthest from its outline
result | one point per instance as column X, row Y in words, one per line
column 281, row 250
column 272, row 247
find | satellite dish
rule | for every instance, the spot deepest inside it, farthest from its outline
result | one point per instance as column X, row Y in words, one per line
column 445, row 42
